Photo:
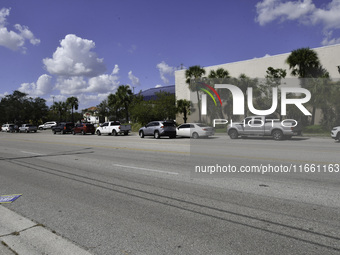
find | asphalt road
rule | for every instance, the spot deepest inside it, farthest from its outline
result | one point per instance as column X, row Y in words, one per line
column 127, row 195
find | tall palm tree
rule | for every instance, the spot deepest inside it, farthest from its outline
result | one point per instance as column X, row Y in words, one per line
column 183, row 107
column 114, row 106
column 60, row 107
column 195, row 72
column 303, row 62
column 124, row 98
column 72, row 102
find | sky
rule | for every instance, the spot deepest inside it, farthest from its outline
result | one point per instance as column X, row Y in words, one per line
column 87, row 48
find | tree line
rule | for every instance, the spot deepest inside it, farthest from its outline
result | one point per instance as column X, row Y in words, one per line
column 18, row 108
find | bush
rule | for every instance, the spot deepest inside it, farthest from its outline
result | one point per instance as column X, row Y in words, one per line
column 315, row 129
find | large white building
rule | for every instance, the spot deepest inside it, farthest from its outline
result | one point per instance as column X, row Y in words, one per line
column 329, row 57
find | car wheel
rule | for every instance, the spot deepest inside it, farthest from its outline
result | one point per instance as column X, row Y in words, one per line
column 126, row 133
column 27, row 131
column 98, row 132
column 82, row 132
column 195, row 135
column 114, row 132
column 141, row 134
column 156, row 135
column 73, row 133
column 40, row 128
column 54, row 132
column 338, row 137
column 233, row 134
column 277, row 135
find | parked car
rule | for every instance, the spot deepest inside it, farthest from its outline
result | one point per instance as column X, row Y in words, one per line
column 84, row 128
column 158, row 129
column 264, row 126
column 47, row 125
column 335, row 133
column 195, row 130
column 63, row 127
column 114, row 128
column 7, row 127
column 28, row 128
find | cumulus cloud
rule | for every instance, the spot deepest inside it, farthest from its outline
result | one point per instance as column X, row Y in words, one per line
column 75, row 57
column 134, row 79
column 303, row 11
column 76, row 85
column 158, row 86
column 165, row 71
column 15, row 40
column 42, row 87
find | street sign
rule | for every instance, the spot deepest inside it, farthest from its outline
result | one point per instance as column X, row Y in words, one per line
column 9, row 198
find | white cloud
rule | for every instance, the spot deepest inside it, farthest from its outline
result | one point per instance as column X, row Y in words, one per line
column 165, row 70
column 75, row 57
column 158, row 86
column 303, row 11
column 71, row 86
column 14, row 40
column 270, row 10
column 42, row 87
column 134, row 79
column 77, row 85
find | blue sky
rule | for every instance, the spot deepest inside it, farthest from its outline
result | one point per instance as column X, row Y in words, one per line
column 86, row 48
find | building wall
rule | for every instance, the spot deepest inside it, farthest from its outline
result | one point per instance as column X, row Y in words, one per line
column 329, row 57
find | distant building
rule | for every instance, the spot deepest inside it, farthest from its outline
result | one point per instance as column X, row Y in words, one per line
column 91, row 115
column 150, row 94
column 257, row 67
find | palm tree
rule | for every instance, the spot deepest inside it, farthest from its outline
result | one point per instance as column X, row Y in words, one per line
column 303, row 62
column 183, row 107
column 195, row 72
column 73, row 103
column 220, row 74
column 124, row 98
column 60, row 108
column 114, row 107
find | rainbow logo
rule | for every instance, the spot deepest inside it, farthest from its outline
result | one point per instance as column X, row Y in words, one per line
column 209, row 93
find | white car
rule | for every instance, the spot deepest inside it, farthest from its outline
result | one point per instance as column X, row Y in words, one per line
column 47, row 125
column 195, row 130
column 335, row 133
column 7, row 127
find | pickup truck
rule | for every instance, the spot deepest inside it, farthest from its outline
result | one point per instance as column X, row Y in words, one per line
column 264, row 126
column 335, row 133
column 114, row 128
column 28, row 128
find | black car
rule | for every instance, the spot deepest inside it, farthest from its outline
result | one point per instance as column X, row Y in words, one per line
column 63, row 128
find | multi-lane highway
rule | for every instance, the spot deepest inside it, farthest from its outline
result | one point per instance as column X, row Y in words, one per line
column 127, row 195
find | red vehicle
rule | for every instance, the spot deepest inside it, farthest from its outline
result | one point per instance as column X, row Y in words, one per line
column 84, row 128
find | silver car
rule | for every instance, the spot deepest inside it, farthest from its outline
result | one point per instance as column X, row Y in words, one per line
column 195, row 130
column 158, row 129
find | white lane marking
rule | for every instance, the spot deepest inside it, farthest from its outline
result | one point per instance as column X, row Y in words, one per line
column 28, row 152
column 146, row 169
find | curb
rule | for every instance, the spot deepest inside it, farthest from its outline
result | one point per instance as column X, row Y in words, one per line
column 19, row 235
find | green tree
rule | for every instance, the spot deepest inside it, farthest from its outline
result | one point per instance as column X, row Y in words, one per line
column 73, row 103
column 61, row 108
column 220, row 76
column 183, row 107
column 303, row 62
column 124, row 97
column 114, row 106
column 195, row 73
